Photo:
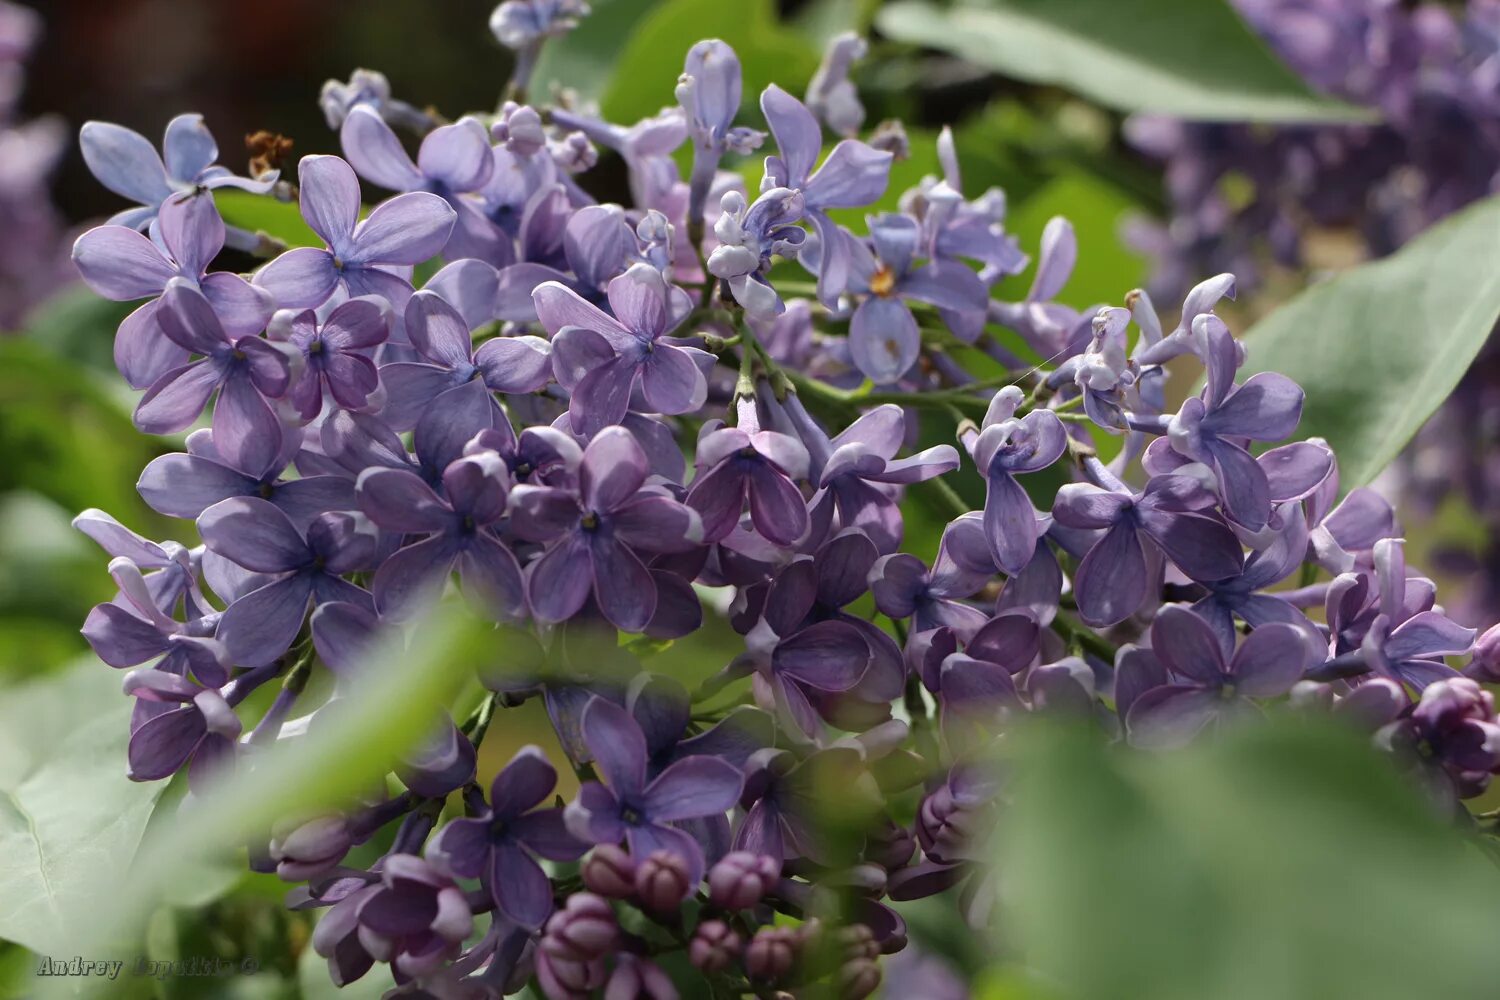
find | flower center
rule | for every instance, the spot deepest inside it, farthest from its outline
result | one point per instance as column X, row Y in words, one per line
column 589, row 521
column 883, row 281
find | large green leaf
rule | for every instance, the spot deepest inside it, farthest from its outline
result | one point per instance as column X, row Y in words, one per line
column 351, row 750
column 650, row 58
column 1285, row 861
column 1380, row 347
column 67, row 811
column 1190, row 59
column 263, row 214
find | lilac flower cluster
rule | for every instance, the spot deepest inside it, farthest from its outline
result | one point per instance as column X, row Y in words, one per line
column 520, row 427
column 33, row 261
column 1244, row 196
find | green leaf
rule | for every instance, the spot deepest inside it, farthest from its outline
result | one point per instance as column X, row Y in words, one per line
column 400, row 694
column 263, row 214
column 67, row 811
column 67, row 435
column 584, row 59
column 645, row 73
column 1189, row 59
column 1380, row 347
column 1285, row 860
column 1106, row 270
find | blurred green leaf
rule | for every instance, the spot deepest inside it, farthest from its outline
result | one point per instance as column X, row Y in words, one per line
column 1193, row 60
column 650, row 59
column 1106, row 270
column 65, row 436
column 1379, row 348
column 400, row 695
column 1285, row 860
column 584, row 58
column 263, row 214
column 314, row 983
column 67, row 811
column 79, row 326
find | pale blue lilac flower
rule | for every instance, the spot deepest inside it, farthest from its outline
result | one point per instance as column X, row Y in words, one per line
column 1007, row 447
column 126, row 163
column 853, row 176
column 1208, row 427
column 121, row 264
column 883, row 337
column 368, row 257
column 749, row 235
column 709, row 93
column 831, row 95
column 369, row 88
column 454, row 161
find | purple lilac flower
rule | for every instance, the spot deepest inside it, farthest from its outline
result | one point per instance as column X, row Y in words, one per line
column 854, row 175
column 1009, row 446
column 126, row 163
column 594, row 534
column 454, row 161
column 600, row 359
column 366, row 257
column 335, row 359
column 255, row 534
column 883, row 337
column 456, row 529
column 244, row 371
column 764, row 467
column 497, row 845
column 440, row 335
column 121, row 264
column 1212, row 686
column 628, row 807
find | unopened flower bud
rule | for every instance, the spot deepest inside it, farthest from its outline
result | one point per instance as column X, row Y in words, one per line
column 714, row 946
column 636, row 978
column 740, row 879
column 583, row 930
column 1485, row 665
column 770, row 954
column 306, row 852
column 661, row 881
column 610, row 872
column 561, row 979
column 858, row 979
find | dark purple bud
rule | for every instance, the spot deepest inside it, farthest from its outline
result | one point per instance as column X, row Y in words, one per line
column 858, row 979
column 308, row 851
column 771, row 952
column 714, row 946
column 890, row 847
column 662, row 881
column 741, row 878
column 610, row 872
column 582, row 931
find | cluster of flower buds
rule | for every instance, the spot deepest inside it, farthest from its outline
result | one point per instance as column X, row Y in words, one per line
column 590, row 416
